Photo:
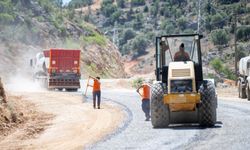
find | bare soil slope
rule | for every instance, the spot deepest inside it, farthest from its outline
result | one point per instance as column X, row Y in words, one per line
column 58, row 120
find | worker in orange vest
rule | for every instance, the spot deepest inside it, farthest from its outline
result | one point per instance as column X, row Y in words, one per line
column 145, row 95
column 96, row 91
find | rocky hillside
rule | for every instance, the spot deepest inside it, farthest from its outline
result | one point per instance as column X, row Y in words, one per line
column 132, row 25
column 29, row 26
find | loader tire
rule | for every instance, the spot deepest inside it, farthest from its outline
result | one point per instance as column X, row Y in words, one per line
column 208, row 105
column 159, row 111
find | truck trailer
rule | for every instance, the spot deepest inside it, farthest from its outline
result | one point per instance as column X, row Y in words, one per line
column 57, row 68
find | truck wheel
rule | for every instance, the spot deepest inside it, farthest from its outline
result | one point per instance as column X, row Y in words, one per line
column 159, row 111
column 239, row 91
column 71, row 90
column 248, row 92
column 60, row 89
column 208, row 105
column 242, row 91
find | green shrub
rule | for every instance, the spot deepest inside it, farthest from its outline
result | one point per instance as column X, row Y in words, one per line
column 217, row 64
column 218, row 20
column 229, row 74
column 241, row 52
column 137, row 2
column 145, row 9
column 6, row 6
column 220, row 37
column 127, row 35
column 96, row 38
column 189, row 31
column 153, row 10
column 80, row 3
column 115, row 16
column 47, row 5
column 121, row 3
column 170, row 29
column 228, row 1
column 182, row 23
column 151, row 36
column 139, row 45
column 108, row 8
column 138, row 23
column 243, row 33
column 6, row 18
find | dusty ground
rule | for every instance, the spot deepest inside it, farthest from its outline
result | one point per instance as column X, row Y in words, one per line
column 22, row 122
column 231, row 92
column 70, row 123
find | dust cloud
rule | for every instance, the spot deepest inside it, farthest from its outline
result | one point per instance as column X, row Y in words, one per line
column 20, row 83
column 17, row 72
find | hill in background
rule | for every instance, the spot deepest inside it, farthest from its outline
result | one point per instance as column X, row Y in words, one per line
column 29, row 26
column 133, row 25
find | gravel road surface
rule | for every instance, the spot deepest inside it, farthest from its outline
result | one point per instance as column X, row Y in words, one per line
column 231, row 131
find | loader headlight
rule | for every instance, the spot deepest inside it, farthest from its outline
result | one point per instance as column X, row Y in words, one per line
column 181, row 86
column 75, row 62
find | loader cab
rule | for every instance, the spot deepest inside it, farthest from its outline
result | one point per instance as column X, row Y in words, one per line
column 168, row 46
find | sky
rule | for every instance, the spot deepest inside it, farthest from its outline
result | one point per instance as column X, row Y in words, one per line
column 66, row 1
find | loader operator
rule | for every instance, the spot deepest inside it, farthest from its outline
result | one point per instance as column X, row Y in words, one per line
column 181, row 55
column 145, row 94
column 96, row 92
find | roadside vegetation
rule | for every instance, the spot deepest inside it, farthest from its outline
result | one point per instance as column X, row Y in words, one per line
column 139, row 21
column 133, row 25
column 61, row 22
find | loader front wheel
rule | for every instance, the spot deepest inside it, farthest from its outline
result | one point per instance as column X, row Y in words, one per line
column 208, row 105
column 159, row 111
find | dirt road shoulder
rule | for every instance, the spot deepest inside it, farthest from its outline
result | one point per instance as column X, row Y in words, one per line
column 75, row 123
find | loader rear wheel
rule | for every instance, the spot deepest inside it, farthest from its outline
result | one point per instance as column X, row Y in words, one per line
column 208, row 105
column 159, row 111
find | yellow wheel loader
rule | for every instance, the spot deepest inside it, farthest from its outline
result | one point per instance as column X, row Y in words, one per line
column 180, row 94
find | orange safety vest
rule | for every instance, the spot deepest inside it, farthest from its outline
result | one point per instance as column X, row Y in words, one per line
column 96, row 86
column 146, row 92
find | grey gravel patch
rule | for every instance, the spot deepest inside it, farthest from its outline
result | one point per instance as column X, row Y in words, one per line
column 128, row 118
column 231, row 131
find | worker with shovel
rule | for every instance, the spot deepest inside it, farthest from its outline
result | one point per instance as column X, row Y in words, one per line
column 144, row 91
column 96, row 91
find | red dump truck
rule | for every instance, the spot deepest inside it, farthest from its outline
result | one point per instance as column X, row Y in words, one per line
column 58, row 68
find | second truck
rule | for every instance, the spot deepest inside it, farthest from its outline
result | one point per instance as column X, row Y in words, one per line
column 244, row 78
column 57, row 69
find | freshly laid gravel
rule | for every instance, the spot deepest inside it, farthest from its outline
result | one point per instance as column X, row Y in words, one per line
column 231, row 131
